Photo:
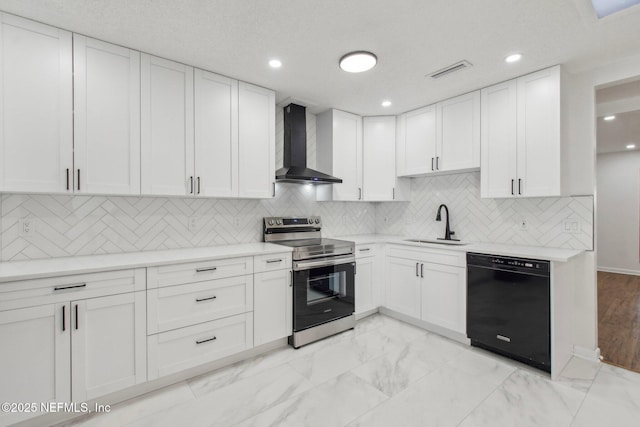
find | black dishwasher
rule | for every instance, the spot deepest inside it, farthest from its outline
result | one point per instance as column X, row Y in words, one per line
column 508, row 309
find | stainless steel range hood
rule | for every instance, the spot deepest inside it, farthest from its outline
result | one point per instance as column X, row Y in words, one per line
column 295, row 151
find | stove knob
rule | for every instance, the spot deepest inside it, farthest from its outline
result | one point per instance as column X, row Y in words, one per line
column 279, row 222
column 317, row 220
column 270, row 222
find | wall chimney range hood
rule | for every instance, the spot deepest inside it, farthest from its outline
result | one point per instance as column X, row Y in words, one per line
column 295, row 151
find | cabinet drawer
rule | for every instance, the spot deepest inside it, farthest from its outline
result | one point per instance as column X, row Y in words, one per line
column 179, row 274
column 184, row 348
column 27, row 293
column 272, row 262
column 174, row 307
column 367, row 250
column 436, row 256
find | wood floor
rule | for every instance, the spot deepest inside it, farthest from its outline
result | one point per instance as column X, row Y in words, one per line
column 619, row 319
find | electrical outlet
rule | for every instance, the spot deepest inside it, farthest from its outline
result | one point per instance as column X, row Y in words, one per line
column 193, row 223
column 27, row 227
column 236, row 221
column 524, row 225
column 571, row 226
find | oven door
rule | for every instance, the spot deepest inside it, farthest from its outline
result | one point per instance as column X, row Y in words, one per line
column 322, row 292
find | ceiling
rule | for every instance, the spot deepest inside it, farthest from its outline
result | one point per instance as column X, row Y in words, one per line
column 410, row 37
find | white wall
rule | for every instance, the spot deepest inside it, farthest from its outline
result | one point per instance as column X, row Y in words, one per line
column 618, row 185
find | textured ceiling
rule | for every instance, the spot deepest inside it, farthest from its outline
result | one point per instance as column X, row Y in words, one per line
column 411, row 38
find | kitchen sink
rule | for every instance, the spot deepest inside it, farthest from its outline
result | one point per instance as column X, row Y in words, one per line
column 436, row 241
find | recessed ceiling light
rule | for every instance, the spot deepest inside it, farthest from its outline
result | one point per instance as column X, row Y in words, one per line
column 386, row 103
column 631, row 146
column 357, row 62
column 275, row 63
column 609, row 118
column 513, row 58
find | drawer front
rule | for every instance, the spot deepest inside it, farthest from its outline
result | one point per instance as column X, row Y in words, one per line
column 27, row 293
column 436, row 256
column 174, row 351
column 368, row 250
column 178, row 306
column 272, row 262
column 180, row 274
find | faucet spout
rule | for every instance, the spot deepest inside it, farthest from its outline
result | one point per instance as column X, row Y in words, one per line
column 447, row 231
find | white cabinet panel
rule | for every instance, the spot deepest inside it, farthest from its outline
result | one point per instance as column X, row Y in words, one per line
column 379, row 158
column 256, row 139
column 273, row 308
column 419, row 153
column 216, row 135
column 108, row 350
column 34, row 363
column 36, row 142
column 444, row 296
column 458, row 133
column 167, row 127
column 402, row 286
column 107, row 117
column 365, row 286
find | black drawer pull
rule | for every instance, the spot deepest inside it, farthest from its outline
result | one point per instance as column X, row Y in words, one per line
column 62, row 288
column 204, row 341
column 271, row 261
column 200, row 270
column 205, row 299
column 64, row 319
column 364, row 250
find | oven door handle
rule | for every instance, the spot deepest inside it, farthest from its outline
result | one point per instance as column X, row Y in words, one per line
column 307, row 265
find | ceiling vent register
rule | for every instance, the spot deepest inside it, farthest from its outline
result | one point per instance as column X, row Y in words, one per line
column 458, row 66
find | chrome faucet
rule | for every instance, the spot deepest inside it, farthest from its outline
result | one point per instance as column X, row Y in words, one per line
column 447, row 231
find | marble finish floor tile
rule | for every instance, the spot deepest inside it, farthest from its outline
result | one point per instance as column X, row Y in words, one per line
column 580, row 373
column 335, row 403
column 525, row 399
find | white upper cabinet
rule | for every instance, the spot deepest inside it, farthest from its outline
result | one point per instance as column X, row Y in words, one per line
column 521, row 154
column 458, row 133
column 36, row 111
column 106, row 117
column 167, row 127
column 417, row 148
column 216, row 135
column 441, row 137
column 256, row 141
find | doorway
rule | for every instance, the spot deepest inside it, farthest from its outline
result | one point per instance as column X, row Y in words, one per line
column 618, row 219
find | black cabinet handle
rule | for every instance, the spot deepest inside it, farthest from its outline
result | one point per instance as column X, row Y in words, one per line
column 191, row 184
column 359, row 193
column 432, row 164
column 78, row 179
column 271, row 261
column 67, row 179
column 64, row 319
column 274, row 189
column 417, row 269
column 421, row 270
column 76, row 317
column 205, row 299
column 62, row 288
column 520, row 186
column 291, row 282
column 203, row 341
column 200, row 270
column 512, row 191
column 437, row 163
column 393, row 193
column 198, row 185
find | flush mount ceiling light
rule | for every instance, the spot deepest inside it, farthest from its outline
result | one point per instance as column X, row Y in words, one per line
column 608, row 7
column 275, row 63
column 513, row 58
column 609, row 118
column 631, row 146
column 357, row 62
column 386, row 103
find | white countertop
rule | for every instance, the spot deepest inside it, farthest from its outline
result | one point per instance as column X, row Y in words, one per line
column 33, row 269
column 533, row 252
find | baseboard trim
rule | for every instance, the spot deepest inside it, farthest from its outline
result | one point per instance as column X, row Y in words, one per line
column 586, row 353
column 366, row 313
column 447, row 333
column 619, row 270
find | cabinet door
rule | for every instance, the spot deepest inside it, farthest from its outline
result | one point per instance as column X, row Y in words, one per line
column 216, row 135
column 108, row 344
column 403, row 286
column 539, row 134
column 379, row 158
column 36, row 111
column 34, row 362
column 106, row 90
column 347, row 155
column 256, row 141
column 273, row 306
column 365, row 284
column 419, row 141
column 444, row 296
column 498, row 140
column 167, row 127
column 458, row 133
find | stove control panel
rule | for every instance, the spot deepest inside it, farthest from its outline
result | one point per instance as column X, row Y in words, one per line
column 311, row 222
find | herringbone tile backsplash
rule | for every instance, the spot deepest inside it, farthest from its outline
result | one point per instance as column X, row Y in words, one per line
column 487, row 220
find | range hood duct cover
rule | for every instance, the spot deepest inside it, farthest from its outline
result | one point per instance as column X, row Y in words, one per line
column 295, row 151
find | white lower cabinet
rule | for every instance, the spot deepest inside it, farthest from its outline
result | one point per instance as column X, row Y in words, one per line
column 273, row 309
column 180, row 349
column 429, row 285
column 367, row 278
